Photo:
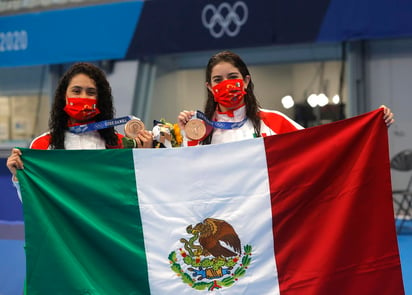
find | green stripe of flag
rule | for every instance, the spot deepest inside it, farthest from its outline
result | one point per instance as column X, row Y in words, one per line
column 102, row 244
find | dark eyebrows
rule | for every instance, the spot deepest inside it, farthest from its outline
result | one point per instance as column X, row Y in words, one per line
column 91, row 89
column 229, row 74
column 86, row 89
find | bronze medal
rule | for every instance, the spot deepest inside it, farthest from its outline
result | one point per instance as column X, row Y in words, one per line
column 132, row 127
column 196, row 129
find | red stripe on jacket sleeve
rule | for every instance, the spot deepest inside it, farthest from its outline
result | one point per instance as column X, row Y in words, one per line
column 278, row 123
column 41, row 142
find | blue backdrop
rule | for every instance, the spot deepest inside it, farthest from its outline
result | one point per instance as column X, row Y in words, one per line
column 12, row 258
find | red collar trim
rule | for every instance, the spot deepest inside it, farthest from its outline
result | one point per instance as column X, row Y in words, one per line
column 229, row 113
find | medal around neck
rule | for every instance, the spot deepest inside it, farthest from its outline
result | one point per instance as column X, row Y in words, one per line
column 197, row 129
column 133, row 127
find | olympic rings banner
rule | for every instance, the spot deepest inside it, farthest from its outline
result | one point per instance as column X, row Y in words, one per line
column 138, row 29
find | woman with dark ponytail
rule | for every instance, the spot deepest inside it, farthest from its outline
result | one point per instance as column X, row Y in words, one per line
column 231, row 98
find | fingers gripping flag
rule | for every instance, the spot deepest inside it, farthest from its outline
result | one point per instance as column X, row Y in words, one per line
column 308, row 212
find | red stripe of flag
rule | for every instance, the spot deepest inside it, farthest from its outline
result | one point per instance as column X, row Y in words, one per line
column 333, row 221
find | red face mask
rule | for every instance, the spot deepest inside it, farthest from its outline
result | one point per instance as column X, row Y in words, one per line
column 81, row 109
column 229, row 93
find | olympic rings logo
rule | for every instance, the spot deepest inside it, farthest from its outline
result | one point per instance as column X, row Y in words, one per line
column 224, row 18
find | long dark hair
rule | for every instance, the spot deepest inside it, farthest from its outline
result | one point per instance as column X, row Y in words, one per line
column 58, row 117
column 251, row 103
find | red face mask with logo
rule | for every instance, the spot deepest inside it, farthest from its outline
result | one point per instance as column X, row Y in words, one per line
column 81, row 109
column 229, row 93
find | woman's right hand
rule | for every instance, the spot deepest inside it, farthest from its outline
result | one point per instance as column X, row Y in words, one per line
column 14, row 162
column 184, row 117
column 144, row 139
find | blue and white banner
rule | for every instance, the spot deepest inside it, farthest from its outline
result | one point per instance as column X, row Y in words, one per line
column 86, row 33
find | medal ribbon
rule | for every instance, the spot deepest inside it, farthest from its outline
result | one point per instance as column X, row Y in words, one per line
column 100, row 125
column 220, row 125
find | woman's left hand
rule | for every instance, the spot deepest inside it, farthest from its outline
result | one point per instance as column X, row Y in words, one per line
column 387, row 115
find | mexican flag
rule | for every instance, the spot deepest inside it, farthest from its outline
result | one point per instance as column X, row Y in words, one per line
column 308, row 212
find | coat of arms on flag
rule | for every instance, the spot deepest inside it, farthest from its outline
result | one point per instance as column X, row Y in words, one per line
column 212, row 257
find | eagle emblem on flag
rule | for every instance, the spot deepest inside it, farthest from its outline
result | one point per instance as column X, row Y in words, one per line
column 212, row 257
